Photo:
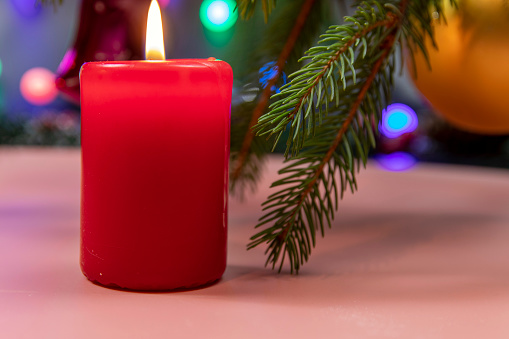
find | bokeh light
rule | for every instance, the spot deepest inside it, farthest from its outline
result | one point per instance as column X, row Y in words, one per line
column 398, row 119
column 249, row 92
column 27, row 8
column 0, row 68
column 164, row 3
column 37, row 86
column 268, row 72
column 218, row 15
column 396, row 162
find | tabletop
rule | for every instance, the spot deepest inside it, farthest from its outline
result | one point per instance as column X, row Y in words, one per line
column 416, row 254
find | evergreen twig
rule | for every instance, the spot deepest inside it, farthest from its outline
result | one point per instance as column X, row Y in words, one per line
column 263, row 76
column 247, row 8
column 55, row 3
column 263, row 99
column 332, row 106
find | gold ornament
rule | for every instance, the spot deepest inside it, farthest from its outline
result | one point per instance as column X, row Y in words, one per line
column 469, row 81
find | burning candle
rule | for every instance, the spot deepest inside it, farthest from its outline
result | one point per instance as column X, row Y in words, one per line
column 155, row 149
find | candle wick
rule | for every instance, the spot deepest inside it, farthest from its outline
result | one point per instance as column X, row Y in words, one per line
column 154, row 55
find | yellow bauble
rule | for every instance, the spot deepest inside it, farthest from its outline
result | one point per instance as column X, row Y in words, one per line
column 469, row 80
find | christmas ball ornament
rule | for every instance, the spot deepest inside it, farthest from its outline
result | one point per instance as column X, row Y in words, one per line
column 108, row 30
column 468, row 83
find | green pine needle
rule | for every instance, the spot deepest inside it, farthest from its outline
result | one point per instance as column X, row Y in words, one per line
column 291, row 30
column 55, row 3
column 247, row 8
column 331, row 108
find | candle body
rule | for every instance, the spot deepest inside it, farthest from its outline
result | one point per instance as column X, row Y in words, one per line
column 155, row 149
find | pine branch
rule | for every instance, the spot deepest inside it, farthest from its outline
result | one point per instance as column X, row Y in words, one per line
column 55, row 3
column 254, row 161
column 281, row 47
column 263, row 100
column 247, row 8
column 316, row 189
column 302, row 96
column 350, row 74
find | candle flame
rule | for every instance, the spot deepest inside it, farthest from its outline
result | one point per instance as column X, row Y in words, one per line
column 154, row 43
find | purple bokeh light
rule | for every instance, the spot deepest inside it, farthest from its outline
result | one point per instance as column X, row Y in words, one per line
column 27, row 8
column 398, row 119
column 396, row 162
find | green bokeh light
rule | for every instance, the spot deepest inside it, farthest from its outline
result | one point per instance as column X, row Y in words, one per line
column 218, row 15
column 0, row 68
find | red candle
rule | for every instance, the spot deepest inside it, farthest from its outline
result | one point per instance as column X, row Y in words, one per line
column 155, row 149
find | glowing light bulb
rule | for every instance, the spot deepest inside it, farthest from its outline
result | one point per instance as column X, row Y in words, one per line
column 37, row 86
column 218, row 15
column 398, row 119
column 218, row 12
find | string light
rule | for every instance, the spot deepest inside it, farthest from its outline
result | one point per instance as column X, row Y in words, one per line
column 398, row 119
column 218, row 15
column 37, row 86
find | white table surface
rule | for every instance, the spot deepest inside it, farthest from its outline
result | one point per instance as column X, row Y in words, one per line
column 420, row 254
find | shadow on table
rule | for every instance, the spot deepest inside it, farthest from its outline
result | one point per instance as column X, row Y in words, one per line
column 400, row 257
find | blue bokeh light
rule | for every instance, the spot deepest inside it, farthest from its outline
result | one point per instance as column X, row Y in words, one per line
column 398, row 119
column 268, row 72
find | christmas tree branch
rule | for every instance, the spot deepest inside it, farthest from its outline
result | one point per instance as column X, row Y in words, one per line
column 346, row 124
column 247, row 8
column 263, row 76
column 303, row 91
column 317, row 174
column 263, row 100
column 338, row 98
column 55, row 3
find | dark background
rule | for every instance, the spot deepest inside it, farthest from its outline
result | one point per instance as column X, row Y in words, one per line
column 39, row 37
